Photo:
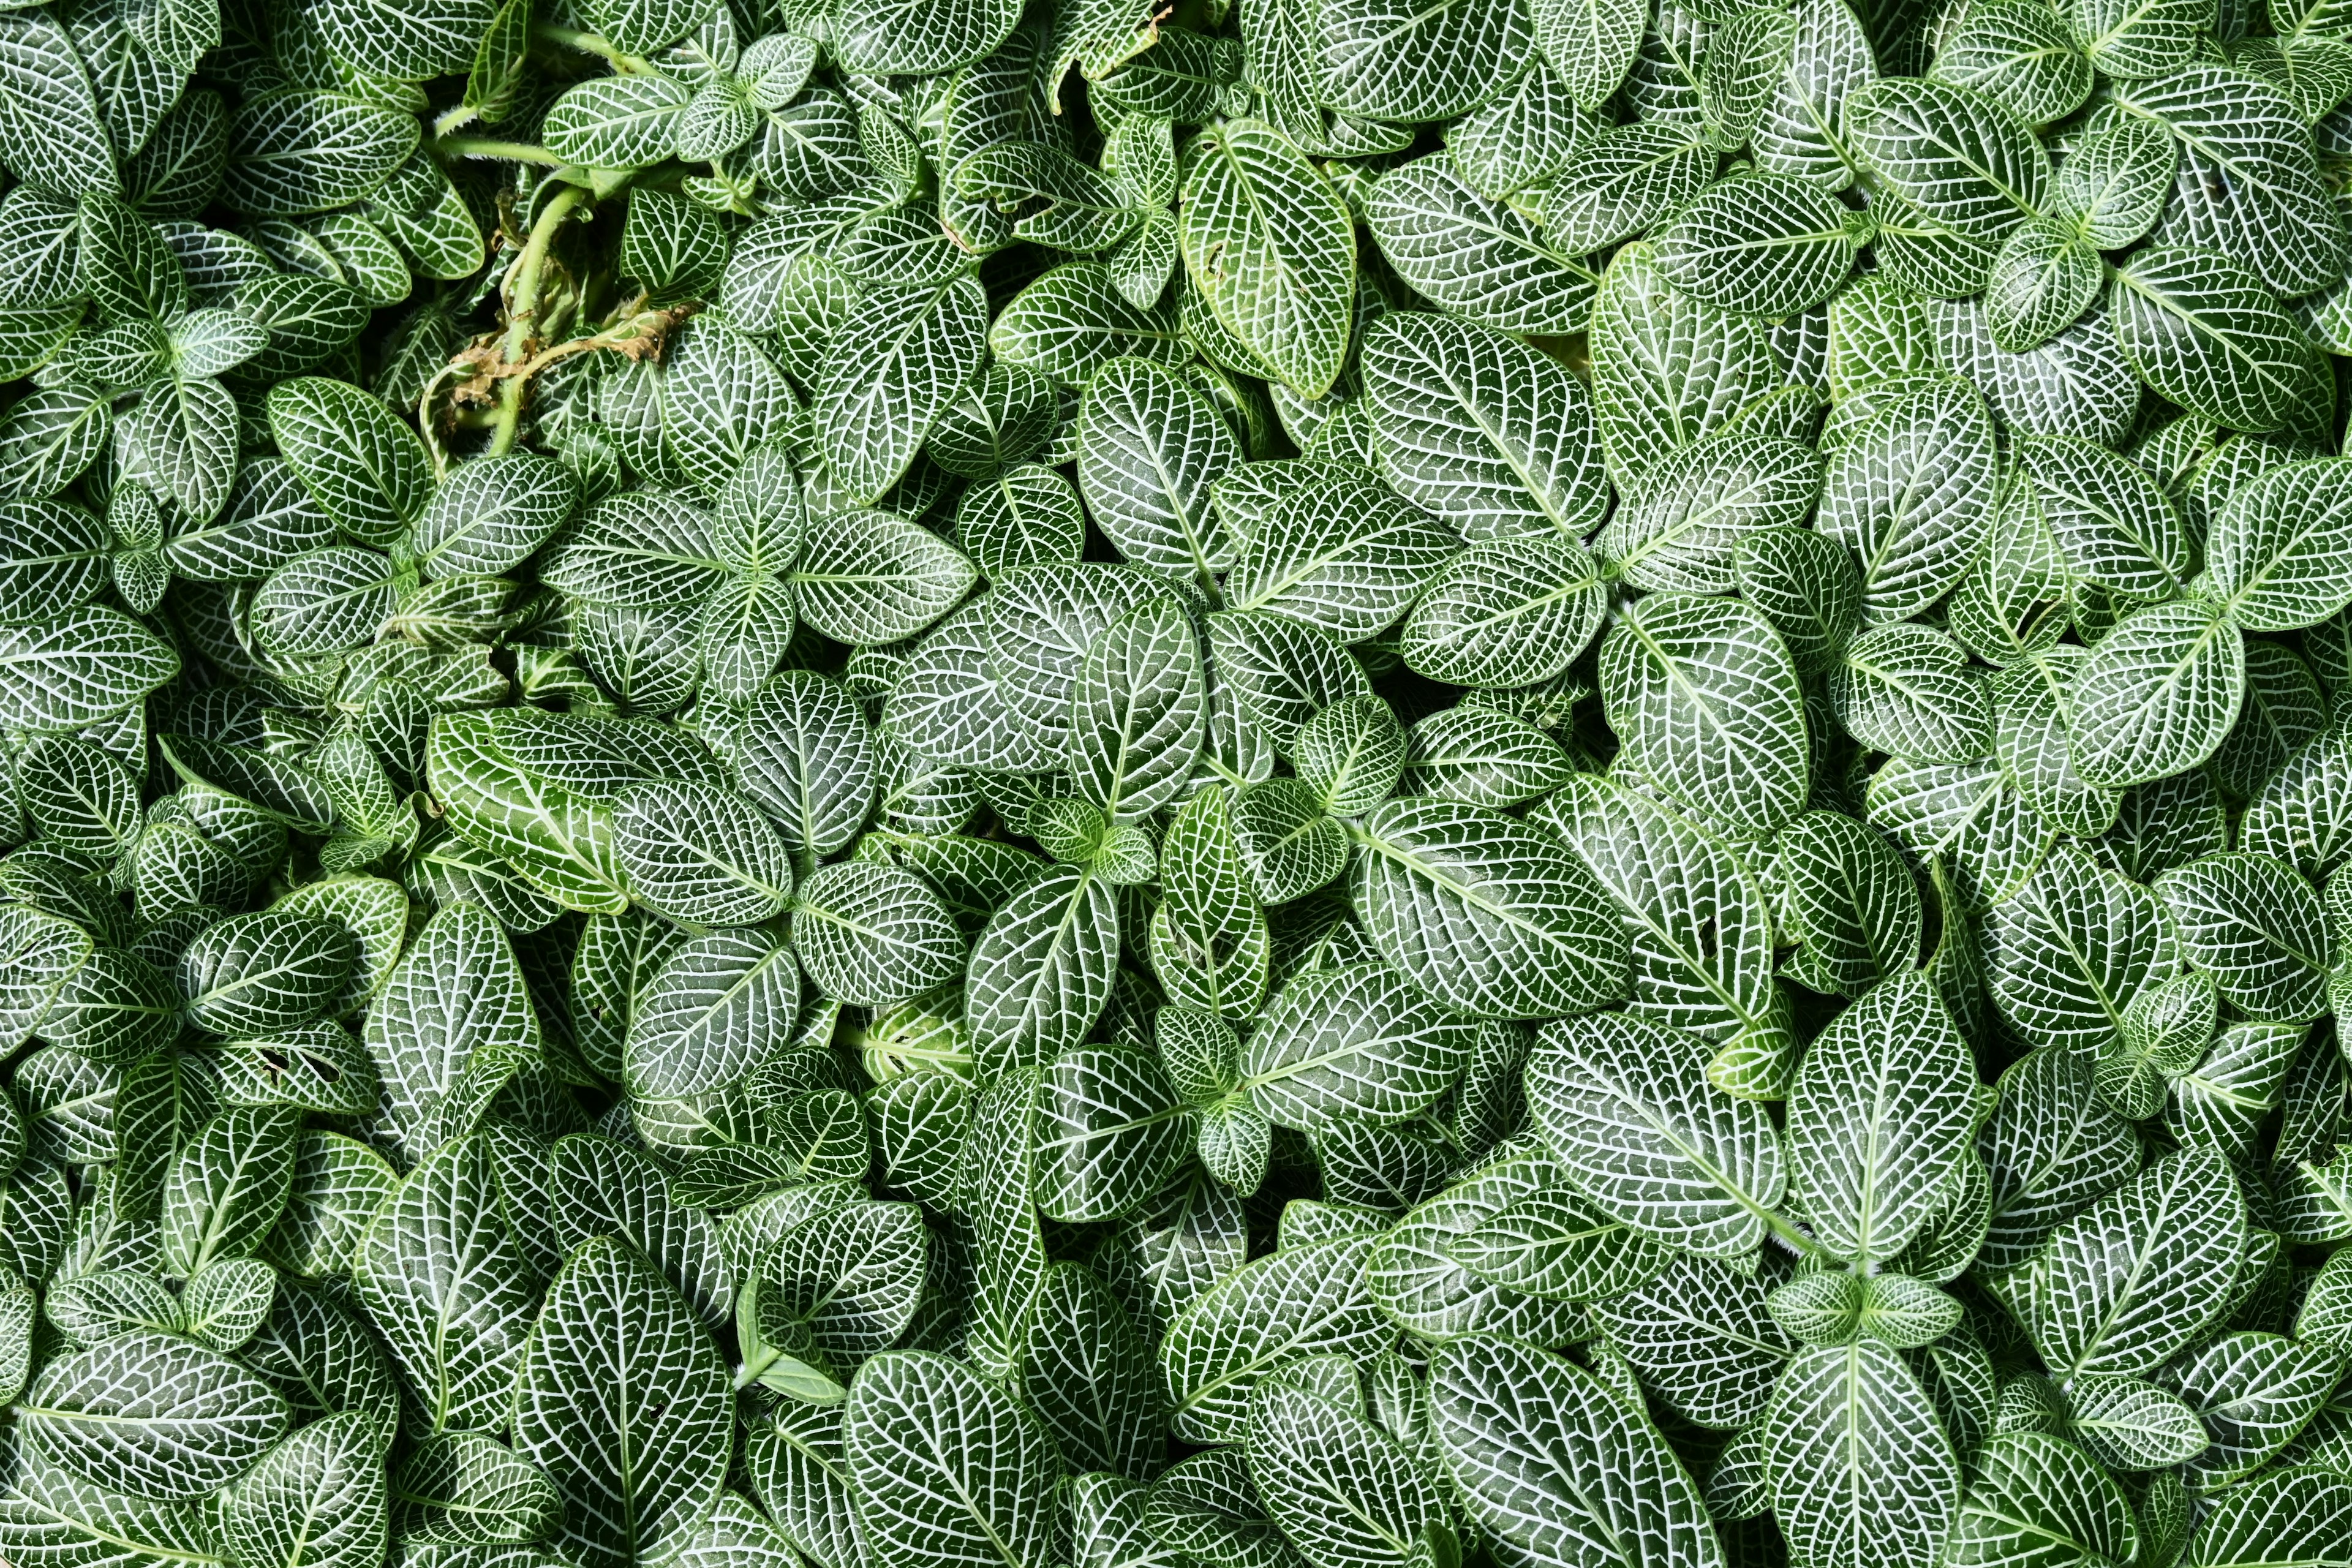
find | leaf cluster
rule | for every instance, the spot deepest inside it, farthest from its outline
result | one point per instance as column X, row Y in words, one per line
column 928, row 783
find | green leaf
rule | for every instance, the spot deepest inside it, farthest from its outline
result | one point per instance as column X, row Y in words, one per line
column 2137, row 41
column 50, row 1512
column 1110, row 1132
column 2124, row 1285
column 1417, row 1276
column 1359, row 1043
column 1880, row 1117
column 1555, row 1244
column 225, row 1191
column 184, row 445
column 1520, row 139
column 632, row 1430
column 836, row 1287
column 1300, row 1301
column 454, row 1023
column 2274, row 554
column 1149, row 447
column 1209, row 940
column 1285, row 289
column 1340, row 552
column 1590, row 43
column 534, row 790
column 1074, row 319
column 2207, row 334
column 408, row 42
column 1911, row 495
column 319, row 1500
column 2019, row 55
column 1207, row 1507
column 1504, row 613
column 1477, row 259
column 2109, row 520
column 2253, row 1392
column 78, row 670
column 1089, row 1376
column 488, row 516
column 1344, row 1491
column 2157, row 696
column 469, row 1487
column 444, row 1281
column 1846, row 893
column 716, row 1006
column 1744, row 64
column 2131, row 1424
column 1138, row 712
column 922, row 39
column 1764, row 246
column 2290, row 1513
column 151, row 1415
column 2051, row 1147
column 2070, row 951
column 871, row 576
column 807, row 759
column 1480, row 429
column 1800, row 132
column 1682, row 521
column 700, row 855
column 269, row 970
column 2241, row 135
column 2258, row 929
column 53, row 132
column 1952, row 153
column 339, row 1184
column 1550, row 1463
column 296, row 153
column 1041, row 974
column 890, row 371
column 948, row 1465
column 366, row 469
column 871, row 934
column 1487, row 915
column 56, row 556
column 1861, row 1470
column 603, row 1189
column 1626, row 1107
column 1627, row 179
column 615, row 122
column 2044, row 278
column 1699, row 929
column 1906, row 689
column 1667, row 370
column 1705, row 702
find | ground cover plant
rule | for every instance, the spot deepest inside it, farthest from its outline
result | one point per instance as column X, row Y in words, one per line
column 895, row 784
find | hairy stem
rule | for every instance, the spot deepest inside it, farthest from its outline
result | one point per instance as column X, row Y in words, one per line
column 522, row 311
column 490, row 147
column 592, row 43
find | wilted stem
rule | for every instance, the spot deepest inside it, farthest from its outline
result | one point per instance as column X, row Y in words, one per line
column 522, row 311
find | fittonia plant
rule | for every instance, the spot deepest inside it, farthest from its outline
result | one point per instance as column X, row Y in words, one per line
column 897, row 784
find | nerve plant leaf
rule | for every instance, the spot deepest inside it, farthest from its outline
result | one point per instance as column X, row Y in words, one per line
column 1253, row 786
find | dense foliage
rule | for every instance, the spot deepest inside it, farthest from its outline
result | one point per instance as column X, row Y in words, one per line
column 895, row 784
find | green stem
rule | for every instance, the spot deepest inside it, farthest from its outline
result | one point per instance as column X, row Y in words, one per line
column 522, row 311
column 1789, row 1235
column 489, row 147
column 593, row 44
column 455, row 118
